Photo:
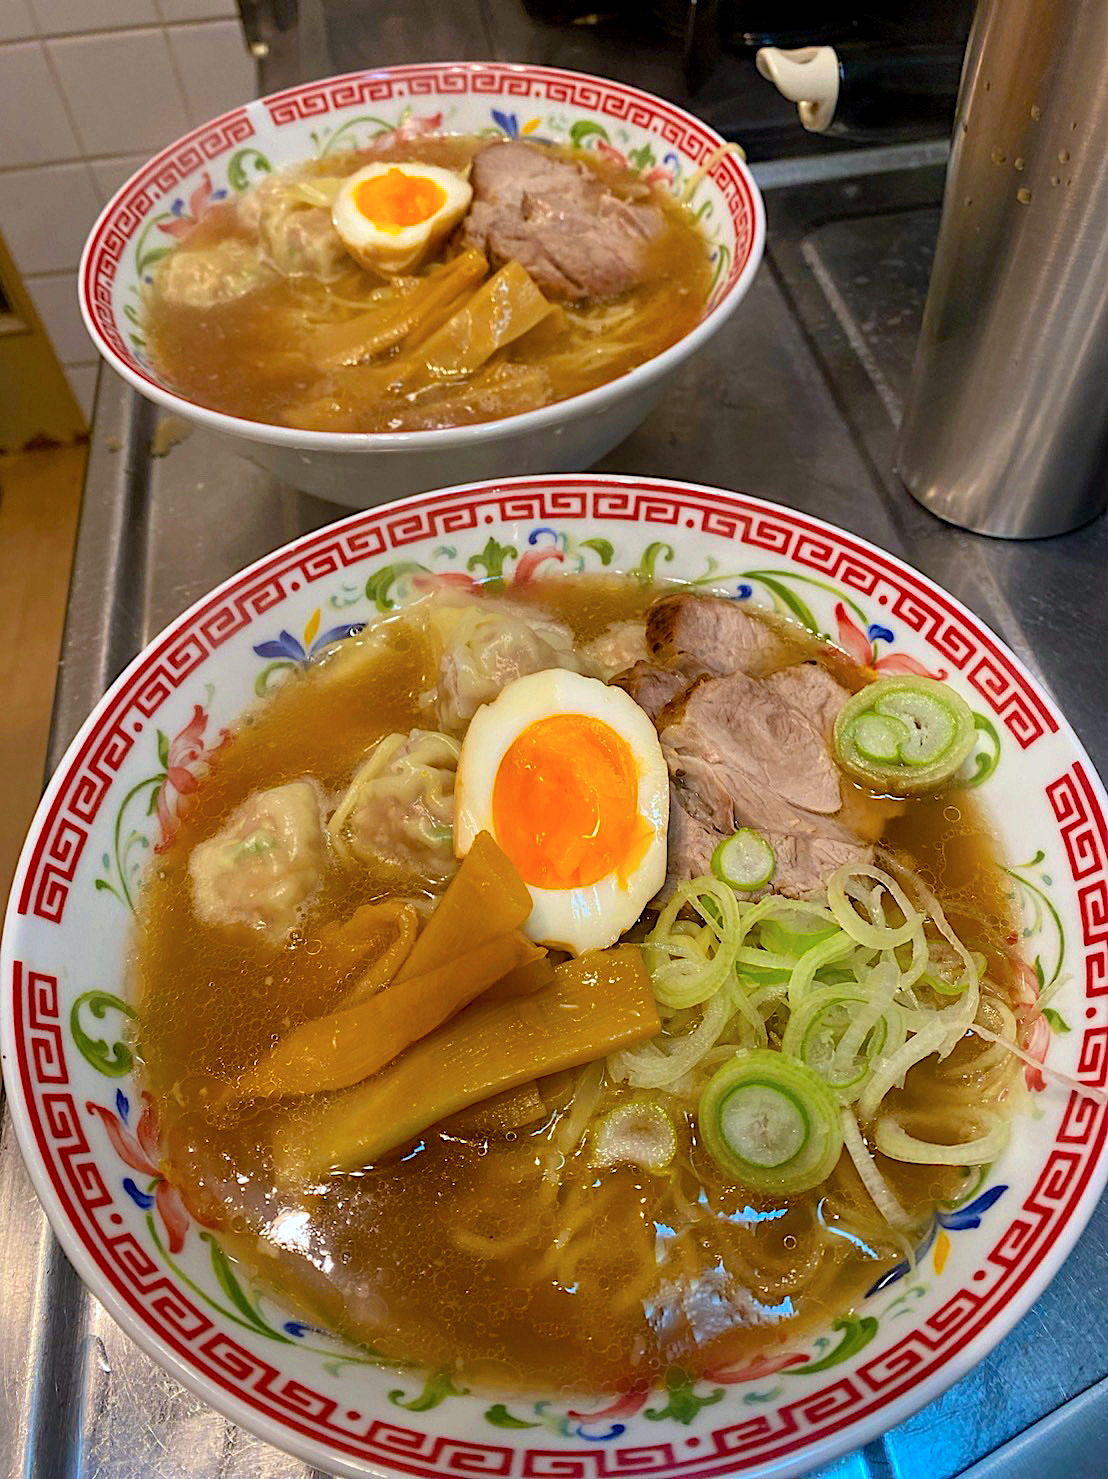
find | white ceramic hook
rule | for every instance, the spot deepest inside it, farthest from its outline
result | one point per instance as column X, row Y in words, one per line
column 808, row 76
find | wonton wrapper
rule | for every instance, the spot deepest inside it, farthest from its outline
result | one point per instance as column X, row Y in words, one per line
column 483, row 647
column 399, row 808
column 266, row 862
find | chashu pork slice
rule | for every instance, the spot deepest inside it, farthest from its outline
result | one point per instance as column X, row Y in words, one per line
column 559, row 221
column 746, row 752
column 713, row 634
column 651, row 687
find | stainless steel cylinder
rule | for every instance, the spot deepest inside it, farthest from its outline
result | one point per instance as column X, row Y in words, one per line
column 1006, row 426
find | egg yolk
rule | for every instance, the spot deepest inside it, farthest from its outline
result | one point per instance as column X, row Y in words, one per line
column 394, row 200
column 565, row 803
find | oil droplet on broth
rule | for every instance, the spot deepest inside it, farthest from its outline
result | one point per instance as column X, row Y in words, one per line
column 1023, row 195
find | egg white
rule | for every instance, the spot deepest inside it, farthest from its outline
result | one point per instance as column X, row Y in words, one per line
column 402, row 249
column 594, row 916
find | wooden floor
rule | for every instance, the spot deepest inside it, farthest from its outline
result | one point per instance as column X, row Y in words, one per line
column 40, row 494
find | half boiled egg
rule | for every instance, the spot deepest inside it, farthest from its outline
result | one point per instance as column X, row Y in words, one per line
column 390, row 216
column 568, row 776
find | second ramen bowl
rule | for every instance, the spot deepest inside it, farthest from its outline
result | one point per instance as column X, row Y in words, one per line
column 229, row 154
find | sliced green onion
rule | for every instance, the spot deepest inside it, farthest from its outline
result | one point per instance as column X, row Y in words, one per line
column 898, row 1145
column 777, row 936
column 891, row 1070
column 637, row 1134
column 880, row 989
column 842, row 887
column 760, row 968
column 744, row 860
column 837, row 948
column 946, row 972
column 871, row 1178
column 815, row 1032
column 904, row 734
column 771, row 1123
column 689, row 967
column 652, row 1067
column 845, row 986
column 964, row 1011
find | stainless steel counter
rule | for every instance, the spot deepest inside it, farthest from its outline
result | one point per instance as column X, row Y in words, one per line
column 796, row 400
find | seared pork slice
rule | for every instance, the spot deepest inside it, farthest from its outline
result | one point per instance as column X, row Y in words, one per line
column 712, row 634
column 803, row 861
column 741, row 755
column 503, row 173
column 741, row 737
column 651, row 687
column 811, row 689
column 689, row 848
column 559, row 221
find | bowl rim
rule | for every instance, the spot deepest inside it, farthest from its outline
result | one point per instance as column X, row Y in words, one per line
column 442, row 438
column 286, row 1434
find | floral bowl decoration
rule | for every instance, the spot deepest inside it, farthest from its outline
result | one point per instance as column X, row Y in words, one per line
column 664, row 145
column 88, row 1132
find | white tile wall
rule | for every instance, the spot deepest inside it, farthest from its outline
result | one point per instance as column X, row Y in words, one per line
column 55, row 299
column 89, row 89
column 109, row 174
column 35, row 121
column 195, row 10
column 216, row 71
column 122, row 89
column 45, row 215
column 62, row 17
column 15, row 20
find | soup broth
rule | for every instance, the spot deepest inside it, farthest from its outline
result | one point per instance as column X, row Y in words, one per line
column 501, row 1252
column 270, row 354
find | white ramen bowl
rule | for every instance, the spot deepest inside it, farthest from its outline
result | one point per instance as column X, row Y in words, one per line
column 361, row 469
column 76, row 1102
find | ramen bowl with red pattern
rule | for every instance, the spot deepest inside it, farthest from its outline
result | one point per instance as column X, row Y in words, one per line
column 88, row 1131
column 651, row 140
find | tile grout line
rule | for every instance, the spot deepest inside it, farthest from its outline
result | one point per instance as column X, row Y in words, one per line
column 147, row 25
column 69, row 113
column 50, row 272
column 71, row 159
column 181, row 89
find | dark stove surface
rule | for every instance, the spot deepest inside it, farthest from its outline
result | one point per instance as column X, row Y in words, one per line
column 643, row 44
